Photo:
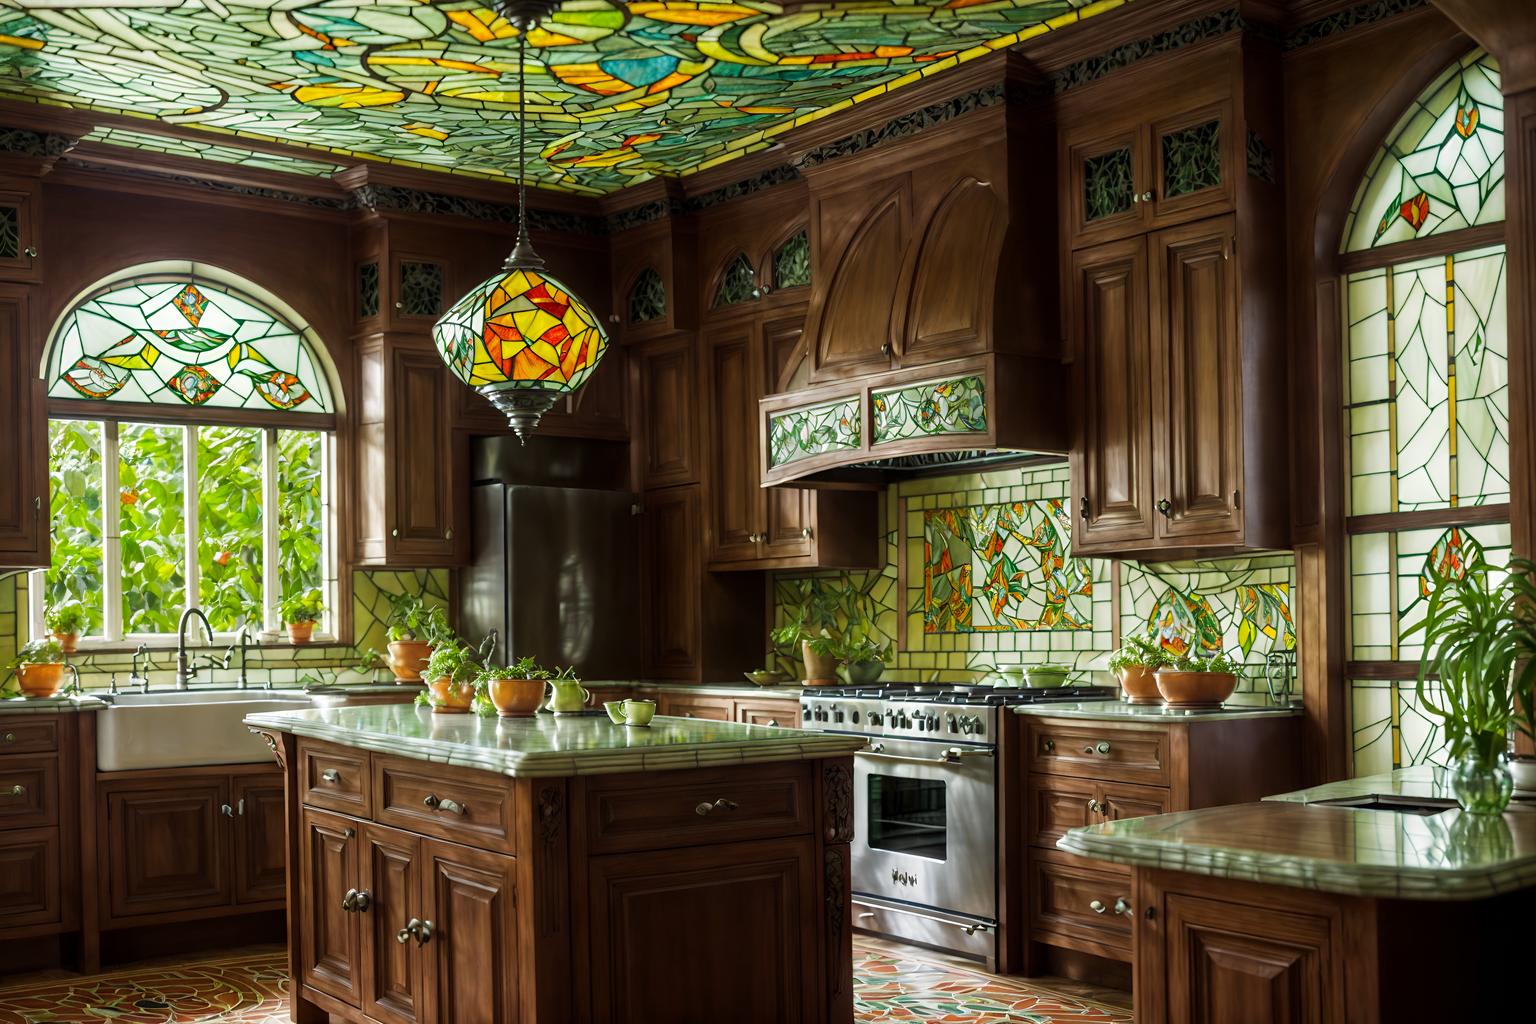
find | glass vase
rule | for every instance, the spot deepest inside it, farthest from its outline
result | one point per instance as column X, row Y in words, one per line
column 1482, row 782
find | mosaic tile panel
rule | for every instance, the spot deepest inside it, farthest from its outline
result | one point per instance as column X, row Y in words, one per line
column 210, row 150
column 1442, row 167
column 617, row 96
column 792, row 262
column 804, row 433
column 956, row 406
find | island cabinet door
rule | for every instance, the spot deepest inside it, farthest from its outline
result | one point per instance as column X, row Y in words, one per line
column 391, row 876
column 468, row 935
column 726, row 932
column 331, row 931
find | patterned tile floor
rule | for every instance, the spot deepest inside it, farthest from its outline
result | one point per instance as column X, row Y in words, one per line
column 892, row 984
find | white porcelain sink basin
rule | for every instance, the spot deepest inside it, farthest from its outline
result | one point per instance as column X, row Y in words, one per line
column 179, row 729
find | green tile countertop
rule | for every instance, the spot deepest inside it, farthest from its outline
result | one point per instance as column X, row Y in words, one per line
column 1293, row 840
column 740, row 691
column 553, row 745
column 49, row 705
column 1118, row 710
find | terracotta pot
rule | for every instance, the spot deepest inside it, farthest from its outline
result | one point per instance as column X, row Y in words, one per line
column 300, row 632
column 1195, row 689
column 1140, row 685
column 451, row 698
column 820, row 669
column 40, row 680
column 516, row 698
column 408, row 659
column 69, row 641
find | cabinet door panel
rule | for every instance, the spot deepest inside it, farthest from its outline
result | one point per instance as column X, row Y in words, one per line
column 744, row 928
column 788, row 512
column 718, row 709
column 668, row 444
column 472, row 955
column 169, row 847
column 422, row 513
column 858, row 327
column 1057, row 805
column 29, row 878
column 670, row 581
column 330, row 937
column 949, row 298
column 732, row 391
column 260, row 844
column 1105, row 175
column 391, row 970
column 1228, row 961
column 1112, row 463
column 1122, row 800
column 1197, row 352
column 24, row 498
column 1195, row 159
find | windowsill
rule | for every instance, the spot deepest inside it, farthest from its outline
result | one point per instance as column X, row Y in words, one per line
column 163, row 645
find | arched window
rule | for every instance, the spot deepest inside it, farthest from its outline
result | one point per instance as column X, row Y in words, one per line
column 738, row 284
column 190, row 457
column 1426, row 386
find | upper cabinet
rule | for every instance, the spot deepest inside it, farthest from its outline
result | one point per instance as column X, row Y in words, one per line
column 1175, row 311
column 654, row 275
column 19, row 253
column 24, row 527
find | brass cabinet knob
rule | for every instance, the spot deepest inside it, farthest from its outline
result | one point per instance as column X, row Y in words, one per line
column 395, row 532
column 447, row 535
column 1094, row 807
column 1048, row 745
column 226, row 810
column 444, row 804
column 31, row 251
column 885, row 349
column 9, row 737
column 18, row 790
column 356, row 901
column 773, row 721
column 1123, row 907
column 1097, row 906
column 348, row 832
column 331, row 775
column 706, row 808
column 1102, row 747
column 416, row 929
column 806, row 533
column 1165, row 507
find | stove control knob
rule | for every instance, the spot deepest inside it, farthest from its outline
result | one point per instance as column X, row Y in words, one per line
column 901, row 720
column 949, row 720
column 805, row 713
column 876, row 719
column 917, row 723
column 854, row 718
column 933, row 721
column 837, row 714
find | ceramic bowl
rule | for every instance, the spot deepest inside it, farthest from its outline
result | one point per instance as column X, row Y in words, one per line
column 516, row 698
column 1011, row 676
column 1040, row 676
column 1139, row 684
column 1195, row 689
column 763, row 677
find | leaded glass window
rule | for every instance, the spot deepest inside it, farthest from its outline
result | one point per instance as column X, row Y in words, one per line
column 738, row 284
column 1192, row 159
column 1427, row 397
column 1442, row 167
column 647, row 297
column 1108, row 185
column 182, row 340
column 792, row 262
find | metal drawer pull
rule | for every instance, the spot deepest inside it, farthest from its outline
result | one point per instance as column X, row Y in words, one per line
column 773, row 722
column 1049, row 745
column 331, row 775
column 240, row 807
column 226, row 810
column 954, row 755
column 18, row 790
column 705, row 809
column 416, row 929
column 1094, row 807
column 348, row 832
column 10, row 737
column 1101, row 747
column 1123, row 906
column 356, row 901
column 1097, row 906
column 443, row 804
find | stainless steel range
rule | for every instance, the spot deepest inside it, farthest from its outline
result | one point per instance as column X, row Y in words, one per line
column 925, row 805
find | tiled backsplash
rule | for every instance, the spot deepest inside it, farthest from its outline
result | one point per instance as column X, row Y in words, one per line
column 980, row 574
column 281, row 665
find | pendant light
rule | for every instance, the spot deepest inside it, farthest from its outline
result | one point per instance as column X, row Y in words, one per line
column 521, row 338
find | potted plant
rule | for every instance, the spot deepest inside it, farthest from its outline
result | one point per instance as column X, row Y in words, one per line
column 66, row 622
column 1136, row 664
column 369, row 663
column 516, row 690
column 812, row 634
column 1479, row 639
column 414, row 628
column 300, row 612
column 39, row 667
column 450, row 675
column 863, row 660
column 1190, row 681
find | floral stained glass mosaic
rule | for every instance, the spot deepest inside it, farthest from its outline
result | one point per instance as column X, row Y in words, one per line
column 792, row 262
column 1442, row 167
column 616, row 96
column 804, row 433
column 184, row 341
column 211, row 150
column 1003, row 567
column 647, row 297
column 934, row 407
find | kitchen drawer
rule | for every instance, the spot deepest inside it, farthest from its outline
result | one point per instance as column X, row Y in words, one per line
column 29, row 879
column 1121, row 800
column 1081, row 907
column 783, row 713
column 335, row 778
column 1058, row 804
column 29, row 792
column 1099, row 752
column 432, row 800
column 714, row 709
column 650, row 812
column 28, row 734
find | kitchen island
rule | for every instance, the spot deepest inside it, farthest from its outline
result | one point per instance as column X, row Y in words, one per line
column 1370, row 900
column 553, row 869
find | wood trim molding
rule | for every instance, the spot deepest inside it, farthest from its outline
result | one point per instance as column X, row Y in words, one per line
column 1432, row 245
column 1468, row 515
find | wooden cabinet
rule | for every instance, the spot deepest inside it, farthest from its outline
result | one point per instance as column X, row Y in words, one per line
column 24, row 515
column 715, row 709
column 405, row 483
column 783, row 714
column 468, row 941
column 39, row 825
column 1087, row 908
column 390, row 873
column 29, row 878
column 668, row 417
column 651, row 910
column 330, row 929
column 184, row 844
column 669, row 565
column 19, row 231
column 860, row 233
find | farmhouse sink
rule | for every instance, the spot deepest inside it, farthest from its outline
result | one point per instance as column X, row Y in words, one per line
column 183, row 729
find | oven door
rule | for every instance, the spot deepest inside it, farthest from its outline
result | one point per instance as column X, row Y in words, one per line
column 926, row 825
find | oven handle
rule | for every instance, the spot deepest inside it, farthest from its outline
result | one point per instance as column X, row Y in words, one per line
column 969, row 929
column 954, row 755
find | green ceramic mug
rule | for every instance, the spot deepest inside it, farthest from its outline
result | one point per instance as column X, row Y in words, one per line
column 631, row 712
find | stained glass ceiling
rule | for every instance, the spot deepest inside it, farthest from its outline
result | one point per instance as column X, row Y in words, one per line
column 682, row 85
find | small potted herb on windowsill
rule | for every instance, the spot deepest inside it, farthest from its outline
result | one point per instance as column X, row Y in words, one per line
column 39, row 667
column 66, row 622
column 414, row 629
column 450, row 675
column 1136, row 664
column 1190, row 681
column 300, row 613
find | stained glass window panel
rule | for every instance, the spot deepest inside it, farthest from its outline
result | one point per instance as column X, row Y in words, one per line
column 738, row 284
column 77, row 572
column 792, row 262
column 1192, row 159
column 187, row 342
column 647, row 297
column 151, row 496
column 1442, row 167
column 300, row 511
column 229, row 519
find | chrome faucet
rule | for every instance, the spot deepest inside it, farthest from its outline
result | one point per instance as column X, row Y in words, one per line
column 185, row 670
column 243, row 643
column 137, row 677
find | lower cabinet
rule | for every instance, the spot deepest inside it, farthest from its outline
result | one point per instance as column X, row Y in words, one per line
column 406, row 928
column 650, row 911
column 783, row 712
column 172, row 844
column 29, row 877
column 714, row 709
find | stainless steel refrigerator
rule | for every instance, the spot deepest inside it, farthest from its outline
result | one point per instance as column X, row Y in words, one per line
column 555, row 568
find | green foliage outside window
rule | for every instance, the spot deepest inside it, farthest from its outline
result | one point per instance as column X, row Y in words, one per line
column 229, row 544
column 75, row 513
column 151, row 484
column 299, row 511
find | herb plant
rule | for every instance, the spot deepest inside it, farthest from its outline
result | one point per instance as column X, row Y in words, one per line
column 411, row 619
column 1195, row 663
column 1139, row 651
column 65, row 619
column 305, row 607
